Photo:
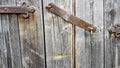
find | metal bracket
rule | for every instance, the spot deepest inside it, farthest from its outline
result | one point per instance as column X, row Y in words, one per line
column 70, row 18
column 115, row 30
column 24, row 10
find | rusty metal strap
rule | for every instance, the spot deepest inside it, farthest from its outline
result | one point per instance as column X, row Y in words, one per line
column 24, row 10
column 70, row 18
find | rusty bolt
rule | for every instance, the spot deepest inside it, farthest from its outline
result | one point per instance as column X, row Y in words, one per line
column 6, row 9
column 48, row 7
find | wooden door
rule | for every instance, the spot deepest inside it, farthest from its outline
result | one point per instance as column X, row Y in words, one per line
column 44, row 40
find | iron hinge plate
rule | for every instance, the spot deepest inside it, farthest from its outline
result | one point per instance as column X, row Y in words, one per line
column 24, row 10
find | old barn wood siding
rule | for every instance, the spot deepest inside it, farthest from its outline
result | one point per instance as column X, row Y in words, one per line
column 112, row 46
column 109, row 18
column 89, row 46
column 32, row 38
column 58, row 36
column 10, row 46
column 44, row 40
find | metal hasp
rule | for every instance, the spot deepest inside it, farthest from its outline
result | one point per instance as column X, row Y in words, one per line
column 70, row 18
column 24, row 10
column 115, row 30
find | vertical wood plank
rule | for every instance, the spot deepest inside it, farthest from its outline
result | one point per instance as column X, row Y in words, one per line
column 116, row 41
column 89, row 46
column 3, row 46
column 0, row 42
column 14, row 42
column 97, row 48
column 31, row 37
column 0, row 59
column 109, row 19
column 112, row 8
column 10, row 49
column 58, row 36
column 83, row 46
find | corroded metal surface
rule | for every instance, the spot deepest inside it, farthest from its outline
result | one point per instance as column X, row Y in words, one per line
column 17, row 10
column 70, row 18
column 115, row 30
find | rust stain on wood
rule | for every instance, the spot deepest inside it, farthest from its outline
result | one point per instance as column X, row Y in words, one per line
column 29, row 38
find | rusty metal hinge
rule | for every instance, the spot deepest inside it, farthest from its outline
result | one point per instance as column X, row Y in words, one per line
column 24, row 10
column 70, row 18
column 115, row 30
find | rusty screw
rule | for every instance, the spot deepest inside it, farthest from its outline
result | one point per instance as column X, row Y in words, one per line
column 48, row 7
column 6, row 9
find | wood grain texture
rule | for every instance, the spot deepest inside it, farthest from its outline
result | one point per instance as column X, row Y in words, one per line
column 58, row 36
column 31, row 37
column 2, row 56
column 89, row 46
column 109, row 20
column 97, row 48
column 47, row 41
column 116, row 41
column 3, row 47
column 112, row 55
column 11, row 57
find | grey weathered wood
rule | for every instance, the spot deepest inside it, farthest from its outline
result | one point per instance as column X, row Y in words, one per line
column 97, row 48
column 112, row 55
column 3, row 46
column 0, row 60
column 109, row 20
column 83, row 45
column 81, row 58
column 58, row 36
column 10, row 48
column 117, row 41
column 31, row 37
column 14, row 42
column 23, row 41
column 89, row 47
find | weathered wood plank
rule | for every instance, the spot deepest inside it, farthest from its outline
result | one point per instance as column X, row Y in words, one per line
column 109, row 20
column 97, row 48
column 14, row 42
column 1, row 43
column 58, row 36
column 112, row 8
column 3, row 46
column 0, row 59
column 31, row 37
column 81, row 58
column 89, row 47
column 117, row 40
column 10, row 36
